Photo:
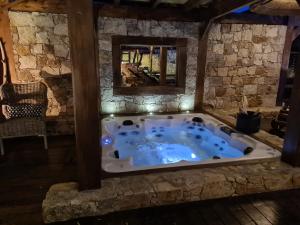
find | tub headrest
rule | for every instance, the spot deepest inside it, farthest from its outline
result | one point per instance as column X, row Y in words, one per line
column 127, row 123
column 227, row 130
column 197, row 120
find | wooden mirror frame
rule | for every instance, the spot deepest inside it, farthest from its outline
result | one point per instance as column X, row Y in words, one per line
column 181, row 59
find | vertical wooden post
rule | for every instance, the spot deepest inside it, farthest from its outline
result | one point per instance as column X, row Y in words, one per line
column 201, row 66
column 134, row 56
column 163, row 65
column 5, row 35
column 151, row 60
column 291, row 147
column 285, row 63
column 140, row 59
column 85, row 91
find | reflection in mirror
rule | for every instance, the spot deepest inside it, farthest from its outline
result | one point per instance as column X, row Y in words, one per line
column 145, row 65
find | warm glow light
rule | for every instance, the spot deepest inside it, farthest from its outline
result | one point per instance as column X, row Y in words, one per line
column 109, row 107
column 150, row 107
column 112, row 115
column 187, row 103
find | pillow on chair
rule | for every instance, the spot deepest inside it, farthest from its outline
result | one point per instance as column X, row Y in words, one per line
column 22, row 111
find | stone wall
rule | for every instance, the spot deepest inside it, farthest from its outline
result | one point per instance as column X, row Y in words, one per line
column 41, row 51
column 243, row 60
column 131, row 104
column 41, row 48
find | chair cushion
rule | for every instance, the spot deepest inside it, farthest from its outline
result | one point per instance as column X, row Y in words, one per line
column 22, row 111
column 22, row 127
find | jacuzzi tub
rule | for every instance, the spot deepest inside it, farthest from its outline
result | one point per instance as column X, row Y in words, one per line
column 135, row 143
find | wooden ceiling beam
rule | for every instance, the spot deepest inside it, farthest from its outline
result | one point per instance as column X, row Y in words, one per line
column 155, row 3
column 277, row 8
column 191, row 4
column 252, row 18
column 3, row 3
column 144, row 13
column 10, row 4
column 276, row 12
column 119, row 11
column 216, row 10
column 224, row 7
column 47, row 6
column 294, row 21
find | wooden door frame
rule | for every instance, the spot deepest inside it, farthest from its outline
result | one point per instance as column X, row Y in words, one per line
column 86, row 91
column 6, row 36
column 292, row 33
column 291, row 146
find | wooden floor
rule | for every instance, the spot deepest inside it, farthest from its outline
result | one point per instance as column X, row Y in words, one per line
column 281, row 208
column 26, row 173
column 28, row 170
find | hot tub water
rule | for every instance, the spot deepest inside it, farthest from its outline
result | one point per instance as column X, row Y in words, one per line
column 164, row 145
column 161, row 141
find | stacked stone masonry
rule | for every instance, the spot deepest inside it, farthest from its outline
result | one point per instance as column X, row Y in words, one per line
column 65, row 202
column 41, row 51
column 243, row 59
column 107, row 27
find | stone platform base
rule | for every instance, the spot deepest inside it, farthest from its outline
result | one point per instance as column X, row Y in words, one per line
column 65, row 202
column 227, row 117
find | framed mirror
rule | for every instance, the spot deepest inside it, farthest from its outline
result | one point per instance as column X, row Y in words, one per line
column 148, row 65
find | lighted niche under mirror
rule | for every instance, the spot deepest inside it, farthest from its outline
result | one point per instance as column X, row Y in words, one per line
column 148, row 65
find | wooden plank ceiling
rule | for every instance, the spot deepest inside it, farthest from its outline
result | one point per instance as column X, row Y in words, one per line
column 60, row 5
column 278, row 8
column 188, row 8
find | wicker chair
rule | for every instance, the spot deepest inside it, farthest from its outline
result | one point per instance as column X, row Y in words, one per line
column 24, row 107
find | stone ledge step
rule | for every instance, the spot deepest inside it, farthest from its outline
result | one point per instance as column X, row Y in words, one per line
column 64, row 201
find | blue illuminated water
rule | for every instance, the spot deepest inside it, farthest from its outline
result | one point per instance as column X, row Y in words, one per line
column 164, row 145
column 242, row 9
column 106, row 140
